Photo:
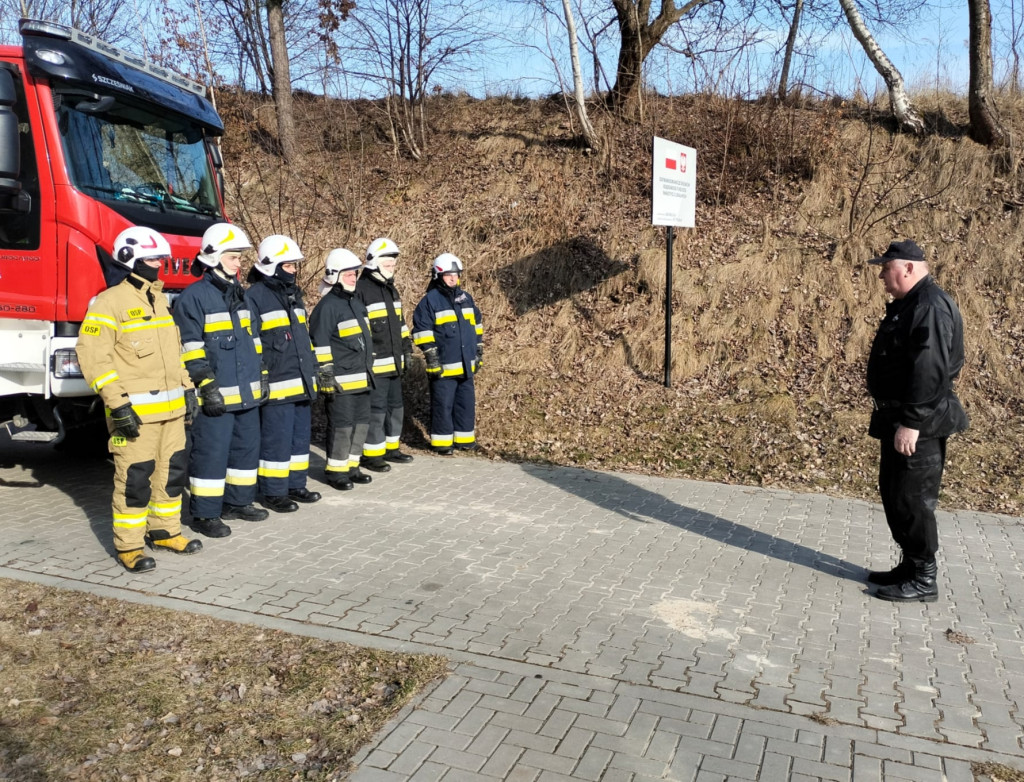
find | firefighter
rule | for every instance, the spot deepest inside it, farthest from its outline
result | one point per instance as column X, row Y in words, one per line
column 220, row 356
column 340, row 327
column 447, row 328
column 392, row 353
column 130, row 353
column 278, row 315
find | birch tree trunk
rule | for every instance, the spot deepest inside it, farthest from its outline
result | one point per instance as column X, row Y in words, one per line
column 985, row 125
column 787, row 60
column 906, row 115
column 281, row 81
column 577, row 79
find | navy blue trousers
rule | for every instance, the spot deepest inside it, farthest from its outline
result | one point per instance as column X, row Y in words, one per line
column 284, row 447
column 452, row 412
column 223, row 461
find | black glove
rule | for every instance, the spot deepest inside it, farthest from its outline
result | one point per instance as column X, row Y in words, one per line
column 191, row 406
column 212, row 399
column 126, row 421
column 325, row 380
column 479, row 355
column 264, row 383
column 433, row 362
column 407, row 359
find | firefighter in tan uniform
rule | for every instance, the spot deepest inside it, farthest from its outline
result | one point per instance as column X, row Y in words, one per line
column 130, row 353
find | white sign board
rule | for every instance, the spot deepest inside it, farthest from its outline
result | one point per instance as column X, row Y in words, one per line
column 674, row 184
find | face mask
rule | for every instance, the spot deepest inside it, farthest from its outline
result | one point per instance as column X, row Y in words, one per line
column 283, row 276
column 146, row 272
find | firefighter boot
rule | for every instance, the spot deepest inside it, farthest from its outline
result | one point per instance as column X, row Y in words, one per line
column 245, row 512
column 135, row 561
column 304, row 495
column 280, row 504
column 179, row 544
column 398, row 457
column 358, row 476
column 374, row 463
column 212, row 528
column 340, row 482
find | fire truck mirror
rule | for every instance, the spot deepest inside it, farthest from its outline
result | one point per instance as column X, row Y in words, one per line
column 10, row 142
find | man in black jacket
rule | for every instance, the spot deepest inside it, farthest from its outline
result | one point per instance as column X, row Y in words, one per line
column 917, row 354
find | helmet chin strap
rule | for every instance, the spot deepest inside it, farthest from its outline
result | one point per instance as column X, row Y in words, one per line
column 349, row 288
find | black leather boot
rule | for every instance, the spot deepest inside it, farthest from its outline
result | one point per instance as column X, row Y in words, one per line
column 280, row 504
column 900, row 573
column 920, row 587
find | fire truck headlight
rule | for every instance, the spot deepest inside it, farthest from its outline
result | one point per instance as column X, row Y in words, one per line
column 50, row 56
column 65, row 363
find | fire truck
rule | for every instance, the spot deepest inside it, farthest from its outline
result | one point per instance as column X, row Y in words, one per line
column 92, row 140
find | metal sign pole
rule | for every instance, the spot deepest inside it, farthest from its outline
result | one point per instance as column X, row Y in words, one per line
column 668, row 306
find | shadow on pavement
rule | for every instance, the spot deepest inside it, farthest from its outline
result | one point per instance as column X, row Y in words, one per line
column 84, row 475
column 634, row 502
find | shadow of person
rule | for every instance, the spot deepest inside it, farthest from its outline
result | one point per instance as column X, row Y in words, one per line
column 624, row 498
column 86, row 480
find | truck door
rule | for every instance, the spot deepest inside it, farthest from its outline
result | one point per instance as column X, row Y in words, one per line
column 28, row 234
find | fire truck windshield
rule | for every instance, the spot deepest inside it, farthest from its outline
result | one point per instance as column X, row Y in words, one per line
column 132, row 154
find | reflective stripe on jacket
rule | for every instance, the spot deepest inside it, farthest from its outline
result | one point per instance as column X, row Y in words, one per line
column 390, row 334
column 340, row 328
column 282, row 340
column 217, row 341
column 447, row 319
column 129, row 351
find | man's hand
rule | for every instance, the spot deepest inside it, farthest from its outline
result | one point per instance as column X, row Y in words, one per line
column 191, row 406
column 906, row 441
column 126, row 421
column 213, row 401
column 325, row 380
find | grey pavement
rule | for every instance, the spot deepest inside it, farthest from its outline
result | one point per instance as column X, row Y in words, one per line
column 601, row 626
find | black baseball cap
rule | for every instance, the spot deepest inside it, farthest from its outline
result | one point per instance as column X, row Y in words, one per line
column 907, row 250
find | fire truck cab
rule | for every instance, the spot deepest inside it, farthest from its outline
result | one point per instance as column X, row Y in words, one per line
column 92, row 140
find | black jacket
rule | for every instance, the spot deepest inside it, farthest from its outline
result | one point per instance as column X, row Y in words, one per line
column 917, row 354
column 391, row 339
column 340, row 329
column 279, row 329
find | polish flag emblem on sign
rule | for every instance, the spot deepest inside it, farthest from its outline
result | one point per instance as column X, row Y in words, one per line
column 677, row 164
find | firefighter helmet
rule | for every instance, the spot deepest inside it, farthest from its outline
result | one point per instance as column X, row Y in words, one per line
column 445, row 263
column 380, row 248
column 139, row 244
column 275, row 250
column 221, row 238
column 338, row 260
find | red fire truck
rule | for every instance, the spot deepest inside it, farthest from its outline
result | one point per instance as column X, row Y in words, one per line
column 92, row 140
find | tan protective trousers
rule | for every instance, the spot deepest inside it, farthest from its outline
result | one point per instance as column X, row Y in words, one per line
column 150, row 473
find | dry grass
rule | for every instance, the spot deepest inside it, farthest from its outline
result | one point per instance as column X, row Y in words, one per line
column 99, row 689
column 774, row 307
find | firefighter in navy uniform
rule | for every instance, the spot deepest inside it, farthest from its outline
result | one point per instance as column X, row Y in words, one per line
column 130, row 354
column 392, row 351
column 220, row 356
column 340, row 327
column 278, row 315
column 447, row 328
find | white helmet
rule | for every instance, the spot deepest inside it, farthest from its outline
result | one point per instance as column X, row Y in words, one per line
column 380, row 248
column 221, row 238
column 338, row 261
column 275, row 250
column 445, row 263
column 139, row 243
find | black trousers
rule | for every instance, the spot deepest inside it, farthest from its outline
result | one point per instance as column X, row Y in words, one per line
column 909, row 487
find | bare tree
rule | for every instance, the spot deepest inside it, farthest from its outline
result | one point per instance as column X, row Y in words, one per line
column 985, row 125
column 282, row 82
column 904, row 112
column 787, row 59
column 406, row 45
column 114, row 21
column 639, row 35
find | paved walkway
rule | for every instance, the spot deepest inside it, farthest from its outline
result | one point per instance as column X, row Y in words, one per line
column 601, row 626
